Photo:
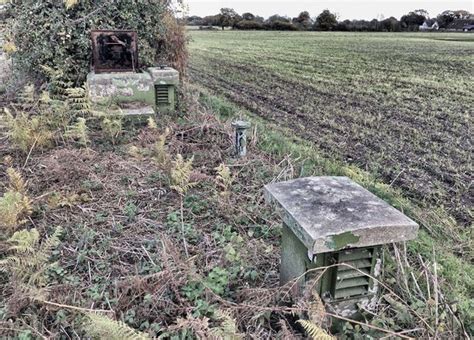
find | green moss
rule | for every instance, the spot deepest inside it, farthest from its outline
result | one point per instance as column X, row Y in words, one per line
column 340, row 241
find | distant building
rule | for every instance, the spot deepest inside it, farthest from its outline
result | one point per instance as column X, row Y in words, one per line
column 427, row 27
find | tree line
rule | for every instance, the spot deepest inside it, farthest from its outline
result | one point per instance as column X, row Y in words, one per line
column 328, row 21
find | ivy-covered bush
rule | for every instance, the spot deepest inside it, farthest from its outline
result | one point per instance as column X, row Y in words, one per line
column 56, row 33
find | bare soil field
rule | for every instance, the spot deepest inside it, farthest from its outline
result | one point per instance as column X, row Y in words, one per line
column 397, row 105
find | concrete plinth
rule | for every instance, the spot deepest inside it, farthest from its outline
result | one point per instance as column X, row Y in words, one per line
column 334, row 223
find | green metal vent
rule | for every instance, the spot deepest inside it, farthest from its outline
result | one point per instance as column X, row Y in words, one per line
column 351, row 281
column 162, row 94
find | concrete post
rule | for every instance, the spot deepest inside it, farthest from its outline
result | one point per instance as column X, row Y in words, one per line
column 241, row 127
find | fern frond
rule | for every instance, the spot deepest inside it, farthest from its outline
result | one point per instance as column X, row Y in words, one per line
column 227, row 329
column 181, row 175
column 16, row 181
column 224, row 177
column 29, row 261
column 78, row 101
column 315, row 331
column 15, row 205
column 57, row 85
column 159, row 153
column 152, row 123
column 79, row 131
column 24, row 241
column 47, row 247
column 26, row 132
column 112, row 128
column 103, row 327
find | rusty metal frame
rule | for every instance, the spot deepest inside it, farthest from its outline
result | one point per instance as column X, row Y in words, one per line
column 95, row 53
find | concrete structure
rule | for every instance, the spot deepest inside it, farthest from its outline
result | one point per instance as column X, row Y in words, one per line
column 140, row 93
column 332, row 221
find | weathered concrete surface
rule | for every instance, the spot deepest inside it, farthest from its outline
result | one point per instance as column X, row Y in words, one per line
column 5, row 63
column 121, row 87
column 294, row 261
column 333, row 213
column 164, row 76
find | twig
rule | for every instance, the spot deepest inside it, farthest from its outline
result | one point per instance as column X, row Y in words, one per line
column 182, row 227
column 396, row 177
column 74, row 307
column 29, row 153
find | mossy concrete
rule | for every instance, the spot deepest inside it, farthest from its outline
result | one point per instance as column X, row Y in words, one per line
column 124, row 87
column 332, row 213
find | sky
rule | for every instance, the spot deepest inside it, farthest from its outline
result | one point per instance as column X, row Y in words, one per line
column 346, row 9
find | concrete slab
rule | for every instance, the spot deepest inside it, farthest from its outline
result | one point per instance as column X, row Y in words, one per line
column 333, row 213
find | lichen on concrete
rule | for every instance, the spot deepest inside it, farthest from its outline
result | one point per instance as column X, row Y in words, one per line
column 332, row 213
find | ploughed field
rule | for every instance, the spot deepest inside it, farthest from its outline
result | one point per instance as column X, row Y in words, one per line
column 398, row 105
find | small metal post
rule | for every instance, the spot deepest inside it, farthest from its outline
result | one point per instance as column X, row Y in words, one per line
column 241, row 137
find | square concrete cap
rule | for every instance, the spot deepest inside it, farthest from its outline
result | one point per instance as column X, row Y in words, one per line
column 332, row 213
column 164, row 76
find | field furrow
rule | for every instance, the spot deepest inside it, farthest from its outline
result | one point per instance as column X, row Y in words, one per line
column 398, row 105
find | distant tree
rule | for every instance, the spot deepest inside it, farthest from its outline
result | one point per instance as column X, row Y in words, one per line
column 248, row 16
column 228, row 17
column 194, row 20
column 277, row 17
column 452, row 18
column 326, row 21
column 249, row 25
column 374, row 25
column 423, row 12
column 462, row 14
column 211, row 20
column 445, row 18
column 412, row 20
column 303, row 21
column 390, row 25
column 279, row 23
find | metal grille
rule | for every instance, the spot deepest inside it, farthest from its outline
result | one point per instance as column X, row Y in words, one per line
column 351, row 282
column 162, row 95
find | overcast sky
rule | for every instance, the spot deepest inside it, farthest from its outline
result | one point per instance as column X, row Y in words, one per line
column 347, row 9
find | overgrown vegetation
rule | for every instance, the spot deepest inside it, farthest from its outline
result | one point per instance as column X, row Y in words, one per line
column 59, row 32
column 165, row 234
column 15, row 205
column 126, row 218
